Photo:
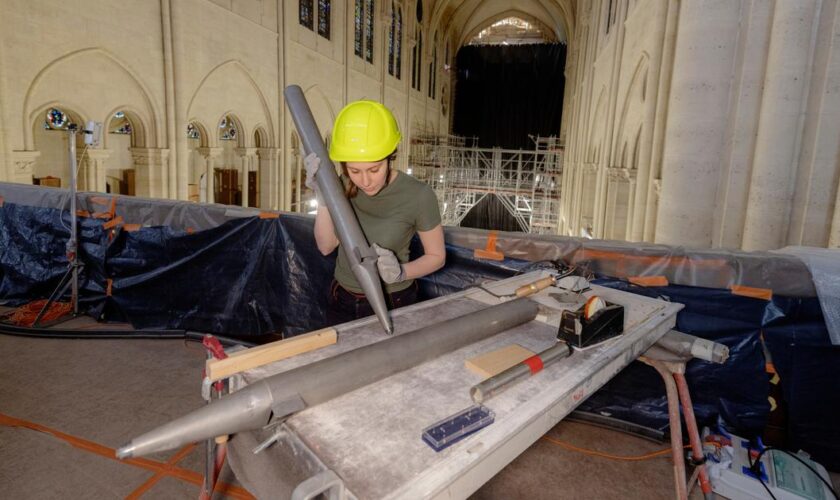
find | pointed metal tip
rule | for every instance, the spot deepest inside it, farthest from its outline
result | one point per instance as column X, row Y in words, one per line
column 126, row 451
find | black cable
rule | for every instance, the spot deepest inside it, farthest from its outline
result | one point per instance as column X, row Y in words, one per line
column 756, row 469
column 22, row 331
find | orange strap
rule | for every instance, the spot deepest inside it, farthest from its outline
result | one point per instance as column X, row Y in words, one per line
column 648, row 280
column 144, row 463
column 131, row 227
column 113, row 223
column 269, row 215
column 82, row 213
column 748, row 291
column 489, row 252
column 190, row 230
column 108, row 285
column 143, row 488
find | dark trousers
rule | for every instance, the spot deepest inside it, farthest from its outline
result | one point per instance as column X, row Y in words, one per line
column 345, row 305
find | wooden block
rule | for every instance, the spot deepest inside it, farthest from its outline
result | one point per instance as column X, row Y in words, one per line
column 495, row 362
column 218, row 369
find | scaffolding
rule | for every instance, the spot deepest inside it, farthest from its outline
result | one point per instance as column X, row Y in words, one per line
column 526, row 182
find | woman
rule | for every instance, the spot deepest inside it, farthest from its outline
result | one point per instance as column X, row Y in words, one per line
column 390, row 206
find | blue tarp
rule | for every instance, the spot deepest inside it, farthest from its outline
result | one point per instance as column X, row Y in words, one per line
column 251, row 277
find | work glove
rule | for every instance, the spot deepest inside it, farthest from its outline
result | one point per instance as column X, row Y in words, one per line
column 390, row 269
column 311, row 163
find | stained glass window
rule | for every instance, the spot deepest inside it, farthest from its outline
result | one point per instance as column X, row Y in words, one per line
column 416, row 63
column 398, row 44
column 56, row 119
column 305, row 13
column 369, row 30
column 433, row 74
column 357, row 28
column 227, row 129
column 324, row 18
column 391, row 33
column 192, row 132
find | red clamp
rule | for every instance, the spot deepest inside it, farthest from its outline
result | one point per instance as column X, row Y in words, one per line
column 215, row 348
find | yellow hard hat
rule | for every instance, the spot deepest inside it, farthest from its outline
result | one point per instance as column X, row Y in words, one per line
column 364, row 131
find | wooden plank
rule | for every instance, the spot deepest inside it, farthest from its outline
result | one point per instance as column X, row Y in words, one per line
column 495, row 362
column 218, row 369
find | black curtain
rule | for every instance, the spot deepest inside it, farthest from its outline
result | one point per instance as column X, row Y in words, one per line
column 489, row 213
column 506, row 92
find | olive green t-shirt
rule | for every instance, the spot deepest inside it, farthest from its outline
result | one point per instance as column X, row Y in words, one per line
column 390, row 218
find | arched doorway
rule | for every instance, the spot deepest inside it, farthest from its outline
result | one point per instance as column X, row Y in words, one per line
column 52, row 167
column 124, row 131
column 196, row 163
column 229, row 180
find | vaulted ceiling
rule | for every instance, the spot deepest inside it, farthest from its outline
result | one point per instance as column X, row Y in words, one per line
column 463, row 19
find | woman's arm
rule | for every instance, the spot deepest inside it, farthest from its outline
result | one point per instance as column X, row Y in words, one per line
column 325, row 236
column 434, row 254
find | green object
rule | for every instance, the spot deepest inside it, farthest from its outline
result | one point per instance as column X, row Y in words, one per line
column 364, row 131
column 794, row 477
column 390, row 218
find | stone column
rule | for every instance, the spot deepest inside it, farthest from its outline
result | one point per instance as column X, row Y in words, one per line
column 151, row 172
column 780, row 126
column 92, row 168
column 299, row 178
column 630, row 177
column 834, row 233
column 698, row 111
column 613, row 178
column 21, row 167
column 269, row 177
column 210, row 155
column 247, row 160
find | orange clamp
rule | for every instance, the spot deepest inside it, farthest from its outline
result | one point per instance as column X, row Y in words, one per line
column 489, row 252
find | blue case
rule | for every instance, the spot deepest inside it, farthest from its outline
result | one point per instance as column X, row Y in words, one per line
column 456, row 427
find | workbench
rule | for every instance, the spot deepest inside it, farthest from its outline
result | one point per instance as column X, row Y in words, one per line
column 366, row 444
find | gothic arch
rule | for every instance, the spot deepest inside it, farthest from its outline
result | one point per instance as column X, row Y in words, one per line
column 250, row 106
column 237, row 122
column 138, row 137
column 547, row 30
column 84, row 62
column 633, row 99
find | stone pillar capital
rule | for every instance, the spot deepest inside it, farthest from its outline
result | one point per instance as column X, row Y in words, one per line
column 94, row 155
column 657, row 187
column 245, row 151
column 22, row 163
column 149, row 156
column 269, row 153
column 210, row 153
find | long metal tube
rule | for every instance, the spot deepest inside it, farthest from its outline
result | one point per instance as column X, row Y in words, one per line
column 72, row 242
column 515, row 373
column 361, row 256
column 315, row 383
column 694, row 347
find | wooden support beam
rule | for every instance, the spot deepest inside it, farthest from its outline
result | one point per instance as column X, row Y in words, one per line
column 218, row 369
column 495, row 362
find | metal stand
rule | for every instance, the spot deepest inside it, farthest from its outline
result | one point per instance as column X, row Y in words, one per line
column 669, row 357
column 71, row 277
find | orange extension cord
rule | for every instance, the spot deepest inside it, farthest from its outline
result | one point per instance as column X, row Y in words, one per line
column 647, row 456
column 25, row 315
column 160, row 469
